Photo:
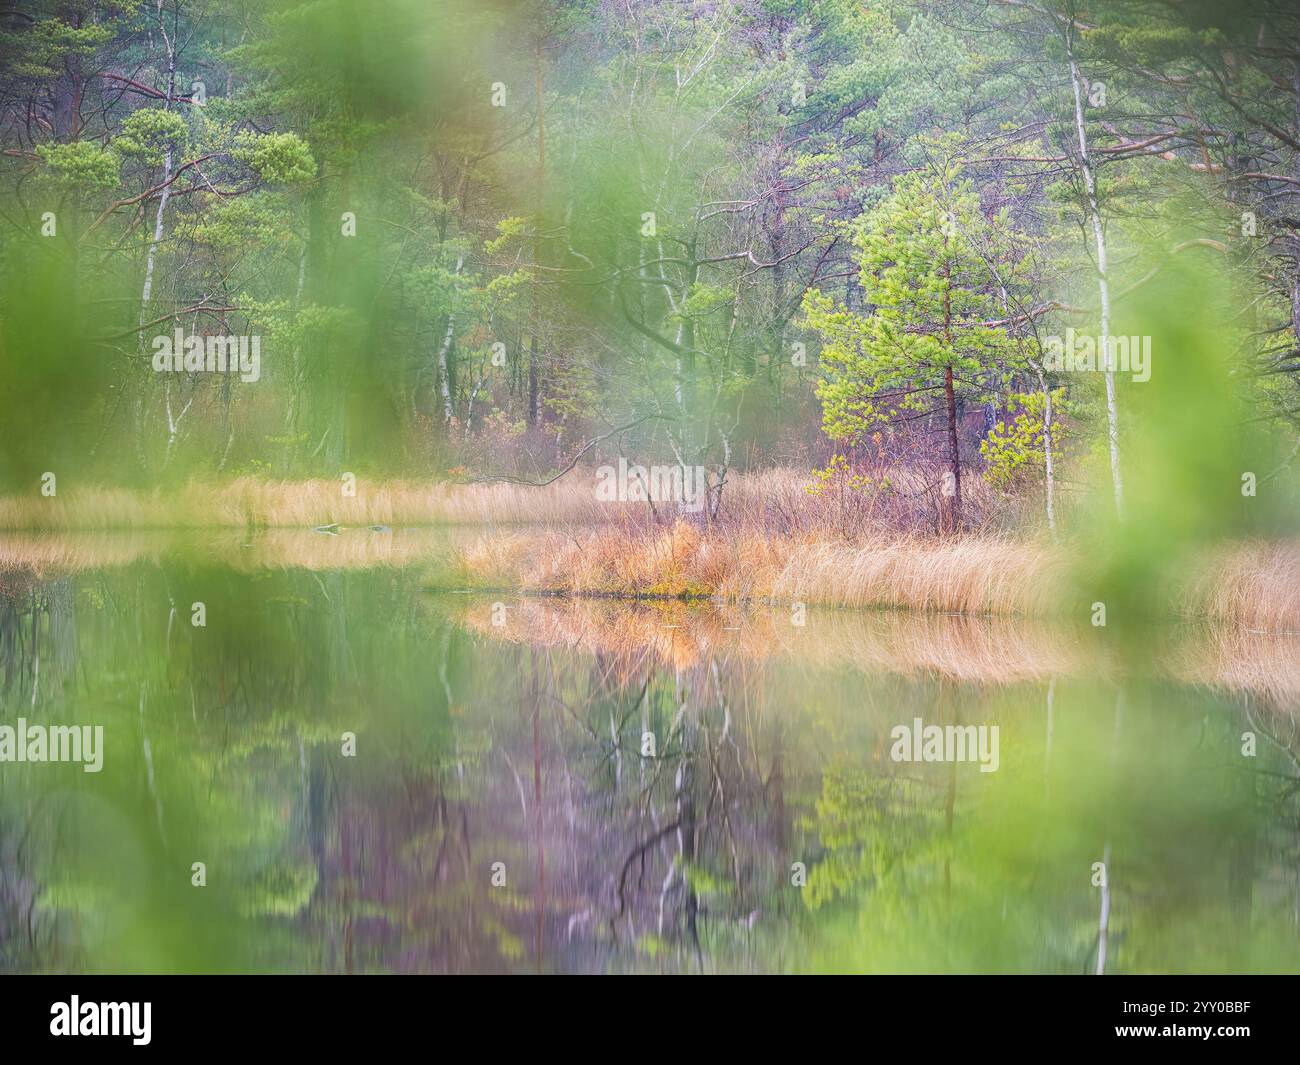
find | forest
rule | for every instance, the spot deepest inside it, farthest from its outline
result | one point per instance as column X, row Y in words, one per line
column 487, row 242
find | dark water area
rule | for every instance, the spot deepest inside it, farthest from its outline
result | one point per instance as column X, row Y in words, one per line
column 345, row 770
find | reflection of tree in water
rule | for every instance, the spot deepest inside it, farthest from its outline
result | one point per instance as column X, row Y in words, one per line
column 473, row 751
column 610, row 858
column 38, row 640
column 932, row 867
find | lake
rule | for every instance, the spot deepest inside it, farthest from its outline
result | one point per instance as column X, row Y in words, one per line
column 318, row 757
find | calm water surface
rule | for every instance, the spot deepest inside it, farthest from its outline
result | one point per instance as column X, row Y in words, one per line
column 381, row 775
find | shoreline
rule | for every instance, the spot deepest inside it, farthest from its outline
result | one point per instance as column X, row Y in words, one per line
column 773, row 543
column 1253, row 585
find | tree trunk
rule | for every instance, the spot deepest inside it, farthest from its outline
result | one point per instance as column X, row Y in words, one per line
column 1047, row 453
column 951, row 490
column 953, row 508
column 534, row 376
column 534, row 398
column 444, row 371
column 146, row 292
column 1103, row 286
column 168, row 163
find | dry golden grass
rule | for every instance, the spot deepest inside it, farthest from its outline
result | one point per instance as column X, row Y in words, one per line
column 251, row 502
column 55, row 554
column 1255, row 585
column 775, row 500
column 779, row 499
column 773, row 541
column 972, row 575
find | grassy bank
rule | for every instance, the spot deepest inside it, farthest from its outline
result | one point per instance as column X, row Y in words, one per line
column 774, row 500
column 256, row 503
column 1252, row 585
column 771, row 541
column 59, row 553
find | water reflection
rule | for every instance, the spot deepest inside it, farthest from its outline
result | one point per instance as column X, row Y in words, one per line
column 558, row 786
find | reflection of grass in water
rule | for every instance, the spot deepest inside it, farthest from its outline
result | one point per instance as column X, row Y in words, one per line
column 44, row 554
column 970, row 650
column 682, row 636
column 296, row 656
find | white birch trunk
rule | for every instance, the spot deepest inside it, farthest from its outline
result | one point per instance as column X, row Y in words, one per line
column 1103, row 286
column 444, row 381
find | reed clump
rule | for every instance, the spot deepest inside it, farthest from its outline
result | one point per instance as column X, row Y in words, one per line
column 1253, row 585
column 967, row 575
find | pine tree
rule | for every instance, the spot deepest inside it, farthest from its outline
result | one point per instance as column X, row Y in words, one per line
column 933, row 267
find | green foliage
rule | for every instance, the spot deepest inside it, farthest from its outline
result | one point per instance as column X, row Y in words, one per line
column 704, row 300
column 278, row 158
column 839, row 474
column 232, row 226
column 932, row 266
column 82, row 166
column 37, row 50
column 1014, row 451
column 149, row 132
column 789, row 151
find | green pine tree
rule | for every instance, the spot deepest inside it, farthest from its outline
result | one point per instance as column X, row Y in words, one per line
column 935, row 271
